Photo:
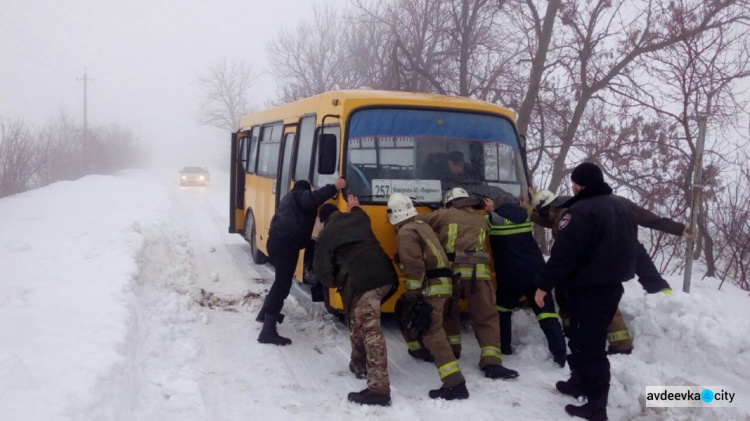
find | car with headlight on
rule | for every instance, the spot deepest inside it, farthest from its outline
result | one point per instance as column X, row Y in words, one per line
column 194, row 176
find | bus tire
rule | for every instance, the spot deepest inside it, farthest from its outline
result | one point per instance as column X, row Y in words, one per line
column 257, row 255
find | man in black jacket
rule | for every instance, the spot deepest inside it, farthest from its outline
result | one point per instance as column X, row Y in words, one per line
column 348, row 257
column 518, row 260
column 594, row 253
column 291, row 228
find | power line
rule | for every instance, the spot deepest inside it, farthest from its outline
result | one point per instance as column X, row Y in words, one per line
column 35, row 48
column 33, row 60
column 27, row 34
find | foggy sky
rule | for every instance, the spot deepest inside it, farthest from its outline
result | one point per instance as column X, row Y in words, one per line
column 144, row 56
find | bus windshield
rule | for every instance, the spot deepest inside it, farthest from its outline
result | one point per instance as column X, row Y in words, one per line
column 424, row 153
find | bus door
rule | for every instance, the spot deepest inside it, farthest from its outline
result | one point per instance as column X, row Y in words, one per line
column 285, row 170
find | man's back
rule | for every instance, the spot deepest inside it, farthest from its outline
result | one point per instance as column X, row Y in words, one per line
column 348, row 256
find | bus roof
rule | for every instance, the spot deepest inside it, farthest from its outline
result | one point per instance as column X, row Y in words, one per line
column 348, row 100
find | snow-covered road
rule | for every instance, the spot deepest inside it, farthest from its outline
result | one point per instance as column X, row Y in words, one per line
column 124, row 298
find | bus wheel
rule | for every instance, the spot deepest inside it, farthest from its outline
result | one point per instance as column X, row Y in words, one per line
column 257, row 255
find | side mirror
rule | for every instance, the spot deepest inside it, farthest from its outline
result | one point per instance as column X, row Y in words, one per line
column 522, row 141
column 327, row 147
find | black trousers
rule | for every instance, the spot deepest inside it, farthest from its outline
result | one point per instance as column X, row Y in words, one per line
column 283, row 255
column 507, row 300
column 647, row 273
column 591, row 311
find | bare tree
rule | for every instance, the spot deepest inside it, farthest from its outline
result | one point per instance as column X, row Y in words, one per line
column 19, row 157
column 543, row 29
column 698, row 74
column 224, row 98
column 604, row 38
column 313, row 58
column 732, row 221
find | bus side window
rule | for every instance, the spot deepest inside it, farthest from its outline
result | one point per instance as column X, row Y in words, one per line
column 243, row 153
column 305, row 148
column 270, row 146
column 252, row 157
column 320, row 180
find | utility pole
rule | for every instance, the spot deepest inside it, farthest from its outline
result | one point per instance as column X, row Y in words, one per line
column 86, row 147
column 696, row 187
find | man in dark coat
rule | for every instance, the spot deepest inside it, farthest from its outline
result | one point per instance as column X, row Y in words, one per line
column 348, row 257
column 547, row 211
column 594, row 253
column 291, row 229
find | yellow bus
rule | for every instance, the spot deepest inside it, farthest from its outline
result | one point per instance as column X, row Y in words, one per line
column 381, row 142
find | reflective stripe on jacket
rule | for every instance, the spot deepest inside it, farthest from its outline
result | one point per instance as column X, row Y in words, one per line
column 420, row 251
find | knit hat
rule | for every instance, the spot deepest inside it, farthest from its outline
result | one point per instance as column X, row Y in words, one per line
column 587, row 174
column 326, row 210
column 301, row 185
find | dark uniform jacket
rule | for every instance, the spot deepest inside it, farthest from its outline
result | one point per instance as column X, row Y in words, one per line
column 295, row 217
column 423, row 259
column 648, row 219
column 517, row 256
column 596, row 243
column 551, row 217
column 349, row 258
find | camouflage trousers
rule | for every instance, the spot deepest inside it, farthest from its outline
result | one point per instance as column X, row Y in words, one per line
column 368, row 343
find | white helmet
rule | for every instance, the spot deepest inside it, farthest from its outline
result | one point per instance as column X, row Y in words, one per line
column 400, row 208
column 455, row 193
column 542, row 199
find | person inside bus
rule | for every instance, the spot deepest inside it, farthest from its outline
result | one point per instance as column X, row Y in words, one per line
column 452, row 170
column 291, row 229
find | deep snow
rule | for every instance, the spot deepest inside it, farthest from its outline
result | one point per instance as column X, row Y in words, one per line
column 102, row 318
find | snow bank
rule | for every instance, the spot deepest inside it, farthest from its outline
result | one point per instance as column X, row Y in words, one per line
column 68, row 254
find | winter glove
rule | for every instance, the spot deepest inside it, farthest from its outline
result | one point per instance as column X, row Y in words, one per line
column 404, row 306
column 666, row 291
column 421, row 316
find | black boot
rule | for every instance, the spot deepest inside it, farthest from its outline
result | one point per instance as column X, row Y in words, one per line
column 269, row 335
column 357, row 373
column 555, row 339
column 596, row 379
column 570, row 388
column 262, row 317
column 587, row 411
column 560, row 359
column 451, row 393
column 368, row 397
column 422, row 354
column 505, row 332
column 494, row 371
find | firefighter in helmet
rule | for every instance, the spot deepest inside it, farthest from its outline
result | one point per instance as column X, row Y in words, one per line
column 429, row 287
column 462, row 229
